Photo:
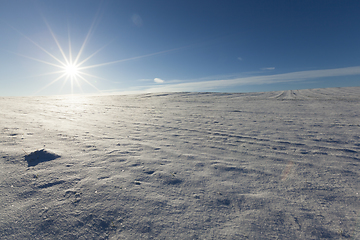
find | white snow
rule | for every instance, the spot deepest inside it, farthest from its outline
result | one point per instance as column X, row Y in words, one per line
column 272, row 165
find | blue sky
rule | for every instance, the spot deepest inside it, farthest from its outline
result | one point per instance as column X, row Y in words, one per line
column 135, row 46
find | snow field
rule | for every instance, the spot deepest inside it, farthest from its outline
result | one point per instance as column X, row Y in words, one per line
column 273, row 165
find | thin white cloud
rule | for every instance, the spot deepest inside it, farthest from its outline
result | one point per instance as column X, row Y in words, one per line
column 268, row 68
column 240, row 58
column 255, row 80
column 158, row 80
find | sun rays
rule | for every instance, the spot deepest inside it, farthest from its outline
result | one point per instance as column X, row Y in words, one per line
column 71, row 66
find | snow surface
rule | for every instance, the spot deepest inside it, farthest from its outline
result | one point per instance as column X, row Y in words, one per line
column 273, row 165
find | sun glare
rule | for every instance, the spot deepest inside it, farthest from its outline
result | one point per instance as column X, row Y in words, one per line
column 71, row 70
column 71, row 66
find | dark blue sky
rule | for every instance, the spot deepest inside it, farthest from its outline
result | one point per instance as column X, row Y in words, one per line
column 150, row 46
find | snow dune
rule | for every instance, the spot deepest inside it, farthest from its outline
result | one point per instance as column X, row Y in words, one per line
column 272, row 165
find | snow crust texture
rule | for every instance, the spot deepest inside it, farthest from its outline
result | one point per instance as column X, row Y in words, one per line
column 273, row 165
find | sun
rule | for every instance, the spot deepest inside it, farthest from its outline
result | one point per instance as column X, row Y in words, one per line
column 71, row 70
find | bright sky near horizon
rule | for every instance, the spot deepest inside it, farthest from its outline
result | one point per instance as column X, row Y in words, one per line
column 52, row 47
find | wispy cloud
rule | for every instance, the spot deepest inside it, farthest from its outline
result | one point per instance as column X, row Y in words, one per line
column 240, row 58
column 145, row 80
column 133, row 58
column 158, row 80
column 254, row 80
column 268, row 68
